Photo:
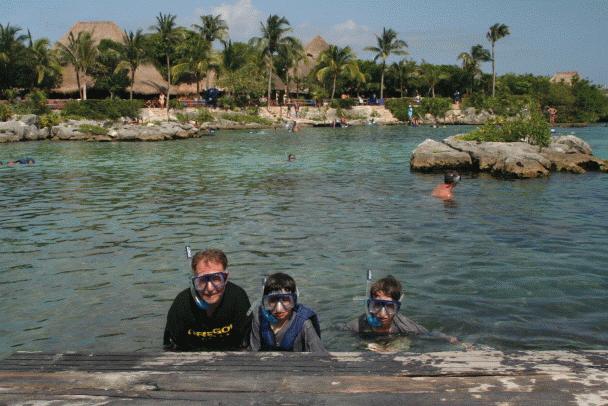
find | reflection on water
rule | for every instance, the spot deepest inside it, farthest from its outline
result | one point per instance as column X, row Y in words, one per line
column 93, row 235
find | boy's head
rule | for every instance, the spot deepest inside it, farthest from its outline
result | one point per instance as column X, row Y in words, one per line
column 384, row 300
column 388, row 287
column 451, row 177
column 280, row 295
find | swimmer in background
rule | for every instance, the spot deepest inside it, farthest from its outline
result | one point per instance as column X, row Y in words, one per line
column 291, row 157
column 445, row 191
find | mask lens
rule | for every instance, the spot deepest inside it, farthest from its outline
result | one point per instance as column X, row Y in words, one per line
column 375, row 306
column 201, row 283
column 272, row 301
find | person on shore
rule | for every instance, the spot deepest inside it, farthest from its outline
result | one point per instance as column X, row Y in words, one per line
column 280, row 323
column 445, row 190
column 410, row 113
column 382, row 317
column 211, row 315
column 552, row 115
column 161, row 100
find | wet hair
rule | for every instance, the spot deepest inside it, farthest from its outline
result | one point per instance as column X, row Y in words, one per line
column 450, row 177
column 389, row 286
column 210, row 255
column 279, row 281
column 291, row 157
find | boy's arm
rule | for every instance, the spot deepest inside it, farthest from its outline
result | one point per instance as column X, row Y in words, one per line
column 312, row 341
column 254, row 335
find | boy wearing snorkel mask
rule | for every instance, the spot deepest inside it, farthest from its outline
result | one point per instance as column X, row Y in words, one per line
column 211, row 315
column 280, row 323
column 382, row 316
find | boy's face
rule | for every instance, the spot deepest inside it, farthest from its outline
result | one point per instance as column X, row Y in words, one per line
column 383, row 316
column 281, row 304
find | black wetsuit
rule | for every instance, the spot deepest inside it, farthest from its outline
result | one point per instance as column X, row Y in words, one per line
column 190, row 329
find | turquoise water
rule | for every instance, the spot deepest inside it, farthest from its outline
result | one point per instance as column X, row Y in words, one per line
column 93, row 234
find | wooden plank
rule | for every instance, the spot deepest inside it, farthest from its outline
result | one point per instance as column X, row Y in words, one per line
column 483, row 377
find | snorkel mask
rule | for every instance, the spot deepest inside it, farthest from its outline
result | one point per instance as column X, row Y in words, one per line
column 200, row 284
column 373, row 306
column 271, row 301
column 451, row 177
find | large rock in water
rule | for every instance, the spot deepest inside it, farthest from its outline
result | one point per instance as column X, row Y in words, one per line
column 509, row 160
column 432, row 155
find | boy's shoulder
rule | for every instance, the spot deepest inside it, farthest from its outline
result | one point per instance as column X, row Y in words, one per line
column 403, row 324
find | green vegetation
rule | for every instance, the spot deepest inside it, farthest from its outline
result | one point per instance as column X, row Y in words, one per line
column 436, row 106
column 245, row 70
column 245, row 118
column 102, row 109
column 398, row 108
column 533, row 130
column 6, row 112
column 204, row 116
column 49, row 120
column 93, row 129
column 343, row 103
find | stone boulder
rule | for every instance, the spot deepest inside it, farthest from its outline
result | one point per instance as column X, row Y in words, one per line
column 508, row 160
column 432, row 155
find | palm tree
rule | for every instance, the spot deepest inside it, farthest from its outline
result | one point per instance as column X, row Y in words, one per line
column 273, row 37
column 11, row 45
column 81, row 52
column 212, row 28
column 133, row 53
column 167, row 37
column 336, row 61
column 42, row 59
column 496, row 32
column 403, row 71
column 432, row 75
column 471, row 62
column 197, row 58
column 387, row 44
column 289, row 58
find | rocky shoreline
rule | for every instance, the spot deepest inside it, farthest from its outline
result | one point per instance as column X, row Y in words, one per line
column 518, row 160
column 27, row 129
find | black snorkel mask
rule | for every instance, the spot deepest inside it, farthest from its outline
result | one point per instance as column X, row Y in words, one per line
column 451, row 177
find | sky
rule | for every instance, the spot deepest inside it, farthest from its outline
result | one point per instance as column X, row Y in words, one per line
column 547, row 36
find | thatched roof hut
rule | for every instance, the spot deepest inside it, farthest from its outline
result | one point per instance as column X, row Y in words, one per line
column 313, row 49
column 148, row 81
column 566, row 77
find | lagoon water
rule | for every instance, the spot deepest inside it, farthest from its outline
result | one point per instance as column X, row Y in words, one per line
column 92, row 238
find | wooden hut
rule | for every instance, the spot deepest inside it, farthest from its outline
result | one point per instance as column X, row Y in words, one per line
column 148, row 80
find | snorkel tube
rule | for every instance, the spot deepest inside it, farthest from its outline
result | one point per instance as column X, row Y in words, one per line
column 200, row 303
column 372, row 320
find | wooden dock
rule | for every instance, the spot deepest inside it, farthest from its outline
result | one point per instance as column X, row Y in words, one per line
column 450, row 378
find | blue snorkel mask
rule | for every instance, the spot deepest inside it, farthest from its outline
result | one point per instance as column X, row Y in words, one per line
column 373, row 307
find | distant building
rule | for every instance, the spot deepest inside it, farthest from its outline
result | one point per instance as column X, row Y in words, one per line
column 312, row 50
column 148, row 81
column 565, row 77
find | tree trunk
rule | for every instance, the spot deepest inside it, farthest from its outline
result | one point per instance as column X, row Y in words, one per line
column 382, row 83
column 168, row 85
column 493, row 72
column 198, row 85
column 433, row 91
column 269, row 81
column 78, row 83
column 84, row 85
column 333, row 89
column 132, row 82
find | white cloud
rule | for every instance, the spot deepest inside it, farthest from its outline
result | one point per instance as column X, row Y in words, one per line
column 352, row 34
column 242, row 17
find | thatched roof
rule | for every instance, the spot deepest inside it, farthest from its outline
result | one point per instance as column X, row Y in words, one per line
column 148, row 80
column 565, row 77
column 312, row 50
